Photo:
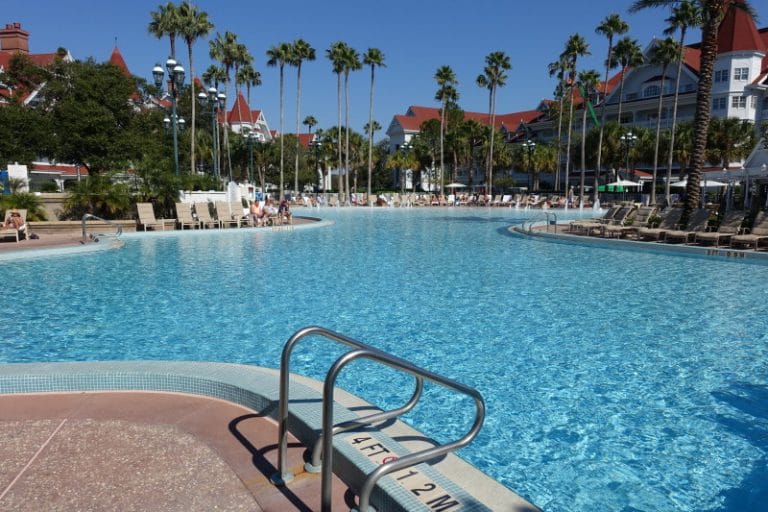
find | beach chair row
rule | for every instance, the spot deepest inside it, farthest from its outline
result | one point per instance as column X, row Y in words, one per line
column 219, row 214
column 704, row 227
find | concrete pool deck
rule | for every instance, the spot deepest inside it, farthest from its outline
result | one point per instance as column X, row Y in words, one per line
column 105, row 435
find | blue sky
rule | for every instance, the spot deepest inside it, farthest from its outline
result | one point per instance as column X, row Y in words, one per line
column 416, row 38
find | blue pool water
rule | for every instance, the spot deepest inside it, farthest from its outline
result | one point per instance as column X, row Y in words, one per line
column 614, row 380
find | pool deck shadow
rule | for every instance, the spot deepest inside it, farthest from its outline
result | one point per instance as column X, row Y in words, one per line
column 146, row 451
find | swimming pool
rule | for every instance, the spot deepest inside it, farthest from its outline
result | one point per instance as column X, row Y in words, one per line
column 614, row 380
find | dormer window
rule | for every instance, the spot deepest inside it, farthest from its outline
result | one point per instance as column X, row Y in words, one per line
column 651, row 91
column 741, row 74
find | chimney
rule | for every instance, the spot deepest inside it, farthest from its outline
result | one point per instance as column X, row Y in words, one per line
column 14, row 39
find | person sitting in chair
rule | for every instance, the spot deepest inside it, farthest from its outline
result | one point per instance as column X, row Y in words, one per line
column 284, row 210
column 14, row 221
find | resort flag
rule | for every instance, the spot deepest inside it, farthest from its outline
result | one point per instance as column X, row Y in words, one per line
column 589, row 106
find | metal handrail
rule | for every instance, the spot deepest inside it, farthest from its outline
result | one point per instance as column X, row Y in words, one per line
column 328, row 430
column 402, row 462
column 315, row 464
column 118, row 227
column 283, row 476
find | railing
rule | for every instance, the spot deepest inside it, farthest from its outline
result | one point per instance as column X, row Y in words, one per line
column 95, row 237
column 549, row 218
column 326, row 441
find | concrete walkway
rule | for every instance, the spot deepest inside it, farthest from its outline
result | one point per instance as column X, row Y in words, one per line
column 127, row 451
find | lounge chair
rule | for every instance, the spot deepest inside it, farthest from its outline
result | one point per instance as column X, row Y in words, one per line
column 224, row 215
column 639, row 220
column 670, row 222
column 11, row 231
column 184, row 216
column 729, row 226
column 239, row 213
column 147, row 217
column 204, row 216
column 587, row 225
column 697, row 224
column 757, row 234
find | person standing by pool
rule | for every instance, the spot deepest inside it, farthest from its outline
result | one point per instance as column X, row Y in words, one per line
column 256, row 213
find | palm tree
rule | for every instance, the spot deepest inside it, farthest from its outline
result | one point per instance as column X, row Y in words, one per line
column 558, row 69
column 587, row 82
column 225, row 49
column 685, row 15
column 166, row 22
column 496, row 65
column 335, row 53
column 194, row 24
column 663, row 54
column 611, row 26
column 351, row 62
column 372, row 58
column 446, row 93
column 575, row 47
column 628, row 54
column 730, row 139
column 713, row 12
column 248, row 76
column 309, row 122
column 279, row 56
column 300, row 51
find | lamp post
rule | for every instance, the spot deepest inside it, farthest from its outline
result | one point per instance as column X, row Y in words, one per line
column 215, row 101
column 175, row 82
column 628, row 140
column 529, row 146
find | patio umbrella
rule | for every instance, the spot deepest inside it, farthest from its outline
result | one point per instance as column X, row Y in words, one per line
column 624, row 183
column 703, row 184
column 455, row 185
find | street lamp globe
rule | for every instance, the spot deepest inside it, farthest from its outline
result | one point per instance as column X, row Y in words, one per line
column 178, row 76
column 182, row 123
column 157, row 74
column 170, row 64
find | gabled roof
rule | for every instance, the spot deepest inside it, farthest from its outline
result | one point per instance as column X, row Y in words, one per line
column 241, row 113
column 41, row 59
column 738, row 33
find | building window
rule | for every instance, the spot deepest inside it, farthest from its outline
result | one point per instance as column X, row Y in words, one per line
column 753, row 102
column 741, row 74
column 631, row 96
column 739, row 102
column 721, row 75
column 718, row 103
column 651, row 91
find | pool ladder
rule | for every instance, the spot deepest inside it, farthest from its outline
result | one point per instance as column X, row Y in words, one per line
column 95, row 236
column 549, row 218
column 322, row 453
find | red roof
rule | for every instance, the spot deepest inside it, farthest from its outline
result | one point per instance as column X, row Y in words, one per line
column 116, row 59
column 416, row 116
column 738, row 32
column 241, row 112
column 41, row 59
column 64, row 169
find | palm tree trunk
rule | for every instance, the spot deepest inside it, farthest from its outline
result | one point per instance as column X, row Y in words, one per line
column 346, row 135
column 193, row 99
column 667, row 194
column 489, row 177
column 658, row 136
column 583, row 151
column 621, row 95
column 225, row 127
column 281, row 193
column 568, row 144
column 298, row 109
column 599, row 166
column 442, row 147
column 370, row 137
column 702, row 116
column 338, row 138
column 559, row 142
